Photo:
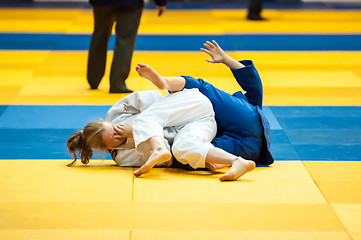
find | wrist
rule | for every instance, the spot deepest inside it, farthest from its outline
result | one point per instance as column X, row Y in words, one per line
column 226, row 60
column 232, row 63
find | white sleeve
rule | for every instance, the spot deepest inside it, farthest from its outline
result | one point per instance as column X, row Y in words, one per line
column 128, row 107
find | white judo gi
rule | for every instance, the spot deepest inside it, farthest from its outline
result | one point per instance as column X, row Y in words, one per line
column 124, row 111
column 191, row 113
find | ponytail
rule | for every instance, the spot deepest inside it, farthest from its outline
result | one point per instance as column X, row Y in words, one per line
column 83, row 141
column 77, row 142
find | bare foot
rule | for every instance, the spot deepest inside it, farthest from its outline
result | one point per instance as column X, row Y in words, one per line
column 155, row 157
column 147, row 72
column 238, row 168
column 214, row 167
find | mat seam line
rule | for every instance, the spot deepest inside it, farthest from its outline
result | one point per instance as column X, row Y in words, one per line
column 328, row 203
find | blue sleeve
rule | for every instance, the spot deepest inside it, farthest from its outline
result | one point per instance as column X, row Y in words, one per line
column 250, row 81
column 193, row 83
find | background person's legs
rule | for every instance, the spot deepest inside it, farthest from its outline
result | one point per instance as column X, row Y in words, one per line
column 254, row 10
column 126, row 32
column 104, row 17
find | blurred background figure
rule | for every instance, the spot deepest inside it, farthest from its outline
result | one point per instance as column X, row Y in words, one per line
column 254, row 10
column 126, row 14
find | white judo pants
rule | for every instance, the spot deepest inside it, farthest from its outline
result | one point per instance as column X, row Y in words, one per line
column 188, row 110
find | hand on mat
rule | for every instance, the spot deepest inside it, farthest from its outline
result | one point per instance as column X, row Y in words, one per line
column 215, row 51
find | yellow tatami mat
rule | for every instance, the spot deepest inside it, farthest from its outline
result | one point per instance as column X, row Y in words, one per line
column 280, row 202
column 187, row 21
column 350, row 214
column 265, row 185
column 339, row 182
column 289, row 78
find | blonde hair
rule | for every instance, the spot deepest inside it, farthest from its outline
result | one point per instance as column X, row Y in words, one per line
column 85, row 140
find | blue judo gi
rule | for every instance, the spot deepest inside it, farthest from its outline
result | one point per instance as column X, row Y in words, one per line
column 242, row 128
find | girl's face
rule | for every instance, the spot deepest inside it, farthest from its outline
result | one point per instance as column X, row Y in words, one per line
column 110, row 137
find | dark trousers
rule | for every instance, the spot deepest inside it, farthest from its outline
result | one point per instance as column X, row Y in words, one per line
column 254, row 8
column 127, row 21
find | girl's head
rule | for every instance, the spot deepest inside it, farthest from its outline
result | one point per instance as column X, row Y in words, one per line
column 98, row 134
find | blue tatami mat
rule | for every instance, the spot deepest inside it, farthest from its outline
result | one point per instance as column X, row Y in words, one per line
column 34, row 143
column 322, row 133
column 281, row 147
column 50, row 117
column 230, row 42
column 298, row 133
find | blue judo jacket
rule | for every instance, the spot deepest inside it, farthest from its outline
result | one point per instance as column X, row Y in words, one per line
column 243, row 129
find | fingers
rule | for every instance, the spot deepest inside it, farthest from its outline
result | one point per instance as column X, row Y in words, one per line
column 215, row 44
column 120, row 130
column 205, row 50
column 209, row 45
column 209, row 53
column 117, row 128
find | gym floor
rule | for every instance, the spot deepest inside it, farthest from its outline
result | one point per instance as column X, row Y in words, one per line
column 310, row 64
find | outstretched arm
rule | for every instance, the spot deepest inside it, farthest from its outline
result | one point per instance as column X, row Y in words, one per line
column 219, row 56
column 175, row 84
column 244, row 72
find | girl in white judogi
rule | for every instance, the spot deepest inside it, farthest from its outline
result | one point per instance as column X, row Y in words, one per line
column 187, row 117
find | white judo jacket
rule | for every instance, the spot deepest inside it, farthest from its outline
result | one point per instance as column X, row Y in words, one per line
column 185, row 119
column 124, row 111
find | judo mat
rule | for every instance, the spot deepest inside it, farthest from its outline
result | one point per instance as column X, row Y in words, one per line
column 310, row 64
